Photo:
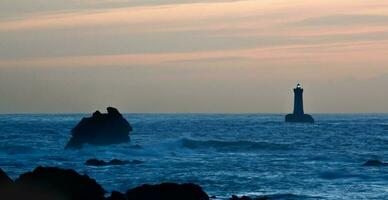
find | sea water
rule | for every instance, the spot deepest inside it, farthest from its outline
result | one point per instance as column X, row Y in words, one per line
column 247, row 154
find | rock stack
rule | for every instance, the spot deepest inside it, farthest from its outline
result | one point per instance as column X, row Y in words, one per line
column 101, row 129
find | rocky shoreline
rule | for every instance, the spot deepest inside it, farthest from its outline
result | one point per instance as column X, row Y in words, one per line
column 52, row 183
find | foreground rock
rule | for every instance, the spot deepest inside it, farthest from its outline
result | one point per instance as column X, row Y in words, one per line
column 374, row 163
column 117, row 196
column 5, row 181
column 5, row 184
column 50, row 183
column 97, row 163
column 298, row 116
column 167, row 191
column 101, row 129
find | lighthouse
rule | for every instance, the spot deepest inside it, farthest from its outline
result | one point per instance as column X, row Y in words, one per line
column 298, row 114
column 298, row 100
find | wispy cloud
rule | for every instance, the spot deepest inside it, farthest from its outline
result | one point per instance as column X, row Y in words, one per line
column 171, row 31
column 344, row 20
column 134, row 16
column 339, row 53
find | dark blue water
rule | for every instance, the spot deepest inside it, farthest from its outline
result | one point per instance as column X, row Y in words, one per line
column 225, row 154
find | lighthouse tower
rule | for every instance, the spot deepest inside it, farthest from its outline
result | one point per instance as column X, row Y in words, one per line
column 298, row 115
column 298, row 100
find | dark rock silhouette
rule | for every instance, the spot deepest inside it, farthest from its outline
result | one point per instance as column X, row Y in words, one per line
column 117, row 196
column 298, row 115
column 101, row 129
column 5, row 181
column 234, row 197
column 50, row 183
column 6, row 184
column 374, row 163
column 167, row 191
column 96, row 162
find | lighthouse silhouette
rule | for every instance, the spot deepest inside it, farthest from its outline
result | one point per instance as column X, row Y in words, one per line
column 298, row 115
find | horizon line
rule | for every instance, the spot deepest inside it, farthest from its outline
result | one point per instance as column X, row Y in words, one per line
column 195, row 113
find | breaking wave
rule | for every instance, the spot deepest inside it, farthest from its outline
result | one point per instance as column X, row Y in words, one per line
column 240, row 145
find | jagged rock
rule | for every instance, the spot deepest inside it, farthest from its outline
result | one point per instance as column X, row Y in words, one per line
column 374, row 163
column 95, row 162
column 167, row 191
column 6, row 185
column 51, row 183
column 101, row 129
column 5, row 181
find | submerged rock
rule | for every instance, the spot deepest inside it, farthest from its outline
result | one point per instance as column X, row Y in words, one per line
column 101, row 129
column 374, row 163
column 96, row 162
column 234, row 197
column 167, row 191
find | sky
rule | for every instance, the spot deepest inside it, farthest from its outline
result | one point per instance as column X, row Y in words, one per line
column 198, row 56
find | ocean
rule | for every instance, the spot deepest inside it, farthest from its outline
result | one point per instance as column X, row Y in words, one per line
column 226, row 154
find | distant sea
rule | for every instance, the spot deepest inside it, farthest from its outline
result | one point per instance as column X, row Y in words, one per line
column 248, row 154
